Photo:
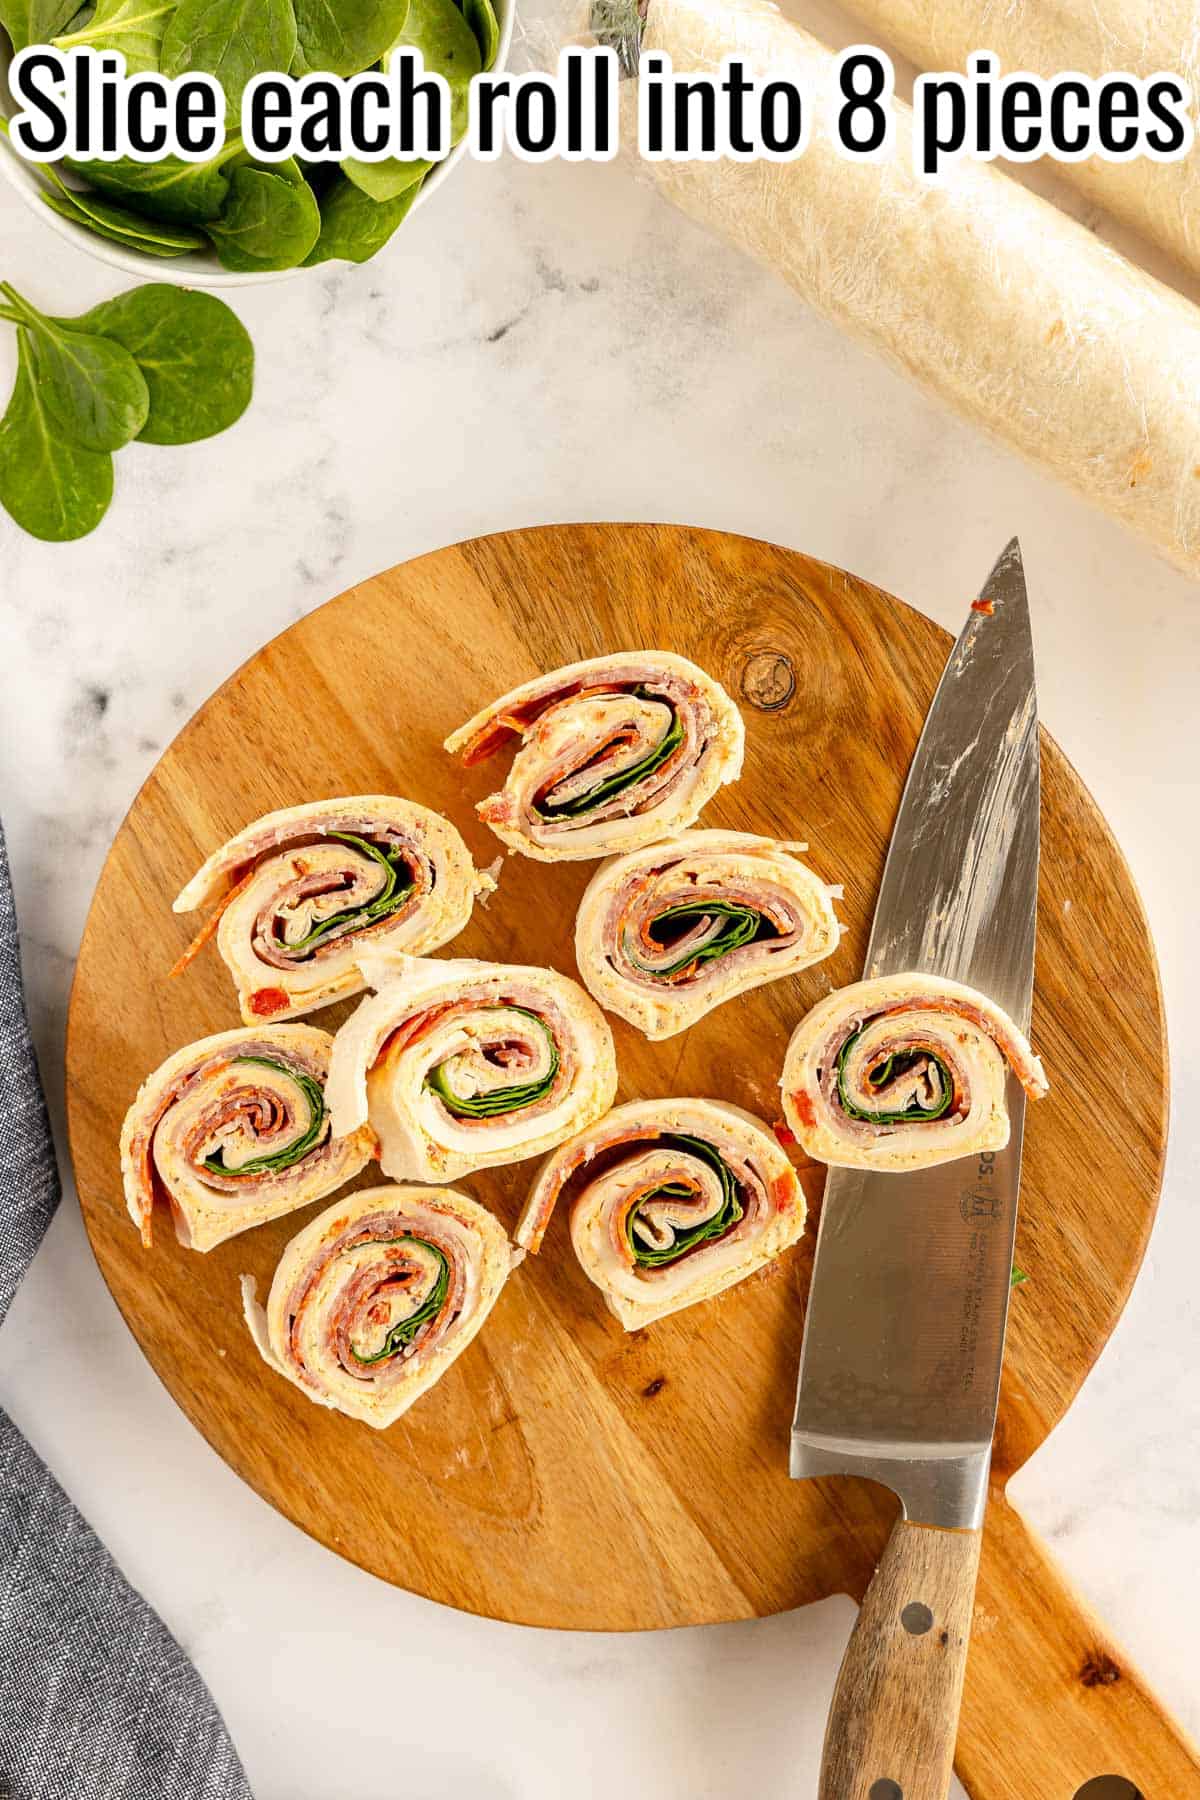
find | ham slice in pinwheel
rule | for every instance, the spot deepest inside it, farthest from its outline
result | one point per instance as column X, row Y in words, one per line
column 300, row 894
column 373, row 1301
column 613, row 753
column 904, row 1072
column 234, row 1131
column 672, row 1201
column 463, row 1065
column 666, row 933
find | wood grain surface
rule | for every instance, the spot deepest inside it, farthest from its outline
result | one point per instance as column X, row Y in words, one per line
column 564, row 1473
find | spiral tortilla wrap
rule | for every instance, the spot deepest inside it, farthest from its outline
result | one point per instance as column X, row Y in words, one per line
column 302, row 892
column 673, row 1201
column 904, row 1072
column 372, row 1302
column 665, row 934
column 613, row 753
column 234, row 1130
column 463, row 1065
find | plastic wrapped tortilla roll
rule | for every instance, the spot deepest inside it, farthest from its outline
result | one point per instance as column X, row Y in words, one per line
column 904, row 1072
column 672, row 1202
column 613, row 753
column 373, row 1301
column 234, row 1130
column 463, row 1065
column 1094, row 37
column 975, row 287
column 665, row 934
column 300, row 893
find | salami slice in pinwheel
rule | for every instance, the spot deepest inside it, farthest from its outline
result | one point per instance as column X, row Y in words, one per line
column 667, row 933
column 672, row 1201
column 612, row 753
column 299, row 895
column 373, row 1301
column 235, row 1130
column 904, row 1072
column 463, row 1065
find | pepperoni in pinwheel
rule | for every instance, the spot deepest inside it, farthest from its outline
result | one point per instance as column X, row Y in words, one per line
column 904, row 1072
column 611, row 754
column 300, row 894
column 671, row 1202
column 667, row 933
column 235, row 1130
column 462, row 1065
column 373, row 1301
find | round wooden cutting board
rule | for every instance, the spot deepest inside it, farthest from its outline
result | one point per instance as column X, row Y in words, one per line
column 564, row 1473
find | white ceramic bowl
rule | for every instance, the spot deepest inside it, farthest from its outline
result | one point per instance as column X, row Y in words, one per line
column 198, row 269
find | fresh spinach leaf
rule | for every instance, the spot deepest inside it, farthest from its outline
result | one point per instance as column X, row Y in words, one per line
column 91, row 388
column 55, row 490
column 181, row 192
column 355, row 228
column 270, row 221
column 34, row 21
column 194, row 352
column 384, row 181
column 118, row 223
column 449, row 48
column 231, row 39
column 134, row 27
column 344, row 37
column 66, row 208
column 481, row 17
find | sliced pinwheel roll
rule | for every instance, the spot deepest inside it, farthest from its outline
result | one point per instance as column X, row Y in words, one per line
column 233, row 1131
column 301, row 893
column 373, row 1301
column 463, row 1065
column 666, row 933
column 904, row 1072
column 614, row 753
column 672, row 1201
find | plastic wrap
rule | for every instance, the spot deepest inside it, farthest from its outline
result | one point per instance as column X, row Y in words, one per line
column 1093, row 37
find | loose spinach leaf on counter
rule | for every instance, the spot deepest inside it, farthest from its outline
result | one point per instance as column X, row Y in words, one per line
column 270, row 221
column 180, row 192
column 54, row 489
column 35, row 21
column 231, row 39
column 353, row 226
column 347, row 38
column 195, row 354
column 92, row 390
column 134, row 27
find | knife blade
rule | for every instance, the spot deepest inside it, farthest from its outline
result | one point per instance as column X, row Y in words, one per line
column 904, row 1335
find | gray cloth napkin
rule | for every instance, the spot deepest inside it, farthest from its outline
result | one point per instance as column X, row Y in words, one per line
column 97, row 1700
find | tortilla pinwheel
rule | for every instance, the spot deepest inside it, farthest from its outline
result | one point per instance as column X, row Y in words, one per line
column 672, row 1201
column 904, row 1072
column 300, row 894
column 463, row 1065
column 235, row 1130
column 611, row 754
column 667, row 933
column 372, row 1302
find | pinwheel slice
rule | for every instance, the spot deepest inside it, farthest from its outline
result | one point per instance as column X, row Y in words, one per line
column 672, row 1201
column 463, row 1065
column 665, row 934
column 904, row 1072
column 301, row 893
column 235, row 1130
column 373, row 1301
column 614, row 753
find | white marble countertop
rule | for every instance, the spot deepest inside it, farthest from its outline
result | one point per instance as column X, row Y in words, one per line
column 549, row 344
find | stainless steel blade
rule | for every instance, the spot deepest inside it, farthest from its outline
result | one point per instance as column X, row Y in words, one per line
column 903, row 1342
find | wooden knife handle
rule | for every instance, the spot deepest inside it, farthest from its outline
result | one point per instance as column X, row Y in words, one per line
column 894, row 1718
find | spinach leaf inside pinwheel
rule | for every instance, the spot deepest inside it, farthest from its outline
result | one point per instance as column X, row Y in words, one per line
column 298, row 1149
column 398, row 886
column 403, row 1333
column 722, row 1221
column 739, row 924
column 624, row 778
column 891, row 1069
column 497, row 1101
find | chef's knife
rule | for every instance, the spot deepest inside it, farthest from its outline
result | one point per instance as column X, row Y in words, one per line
column 900, row 1366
